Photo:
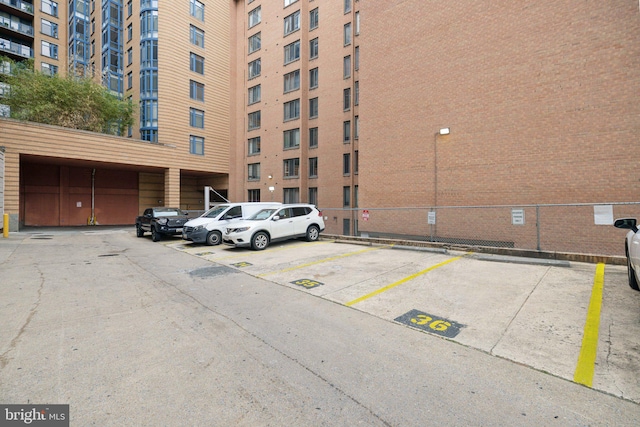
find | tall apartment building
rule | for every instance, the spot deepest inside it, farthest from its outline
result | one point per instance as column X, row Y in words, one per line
column 295, row 104
column 171, row 57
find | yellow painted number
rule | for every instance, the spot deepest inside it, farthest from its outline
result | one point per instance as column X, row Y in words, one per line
column 307, row 283
column 437, row 325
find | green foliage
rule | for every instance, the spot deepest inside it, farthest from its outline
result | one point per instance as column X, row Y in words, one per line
column 71, row 101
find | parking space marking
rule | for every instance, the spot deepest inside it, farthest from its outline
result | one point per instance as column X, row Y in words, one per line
column 400, row 282
column 430, row 323
column 307, row 283
column 319, row 261
column 587, row 358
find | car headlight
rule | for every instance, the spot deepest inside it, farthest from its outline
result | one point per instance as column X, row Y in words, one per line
column 237, row 230
column 163, row 221
column 198, row 227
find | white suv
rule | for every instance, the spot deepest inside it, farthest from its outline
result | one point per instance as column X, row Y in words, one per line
column 208, row 228
column 273, row 224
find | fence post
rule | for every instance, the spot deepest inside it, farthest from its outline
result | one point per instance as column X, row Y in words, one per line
column 5, row 225
column 538, row 224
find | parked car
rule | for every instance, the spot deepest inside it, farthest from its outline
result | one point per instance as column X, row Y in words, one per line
column 208, row 228
column 160, row 221
column 631, row 249
column 274, row 224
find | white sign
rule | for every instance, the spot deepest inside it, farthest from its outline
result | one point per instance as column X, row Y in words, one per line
column 431, row 218
column 603, row 214
column 517, row 216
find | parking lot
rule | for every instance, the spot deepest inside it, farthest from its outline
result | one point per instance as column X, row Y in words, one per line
column 577, row 321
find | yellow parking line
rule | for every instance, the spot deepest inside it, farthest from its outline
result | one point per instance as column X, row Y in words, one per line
column 400, row 282
column 318, row 262
column 587, row 358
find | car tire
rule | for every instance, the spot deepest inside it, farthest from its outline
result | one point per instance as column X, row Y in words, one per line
column 214, row 238
column 259, row 241
column 313, row 233
column 139, row 231
column 633, row 281
column 155, row 236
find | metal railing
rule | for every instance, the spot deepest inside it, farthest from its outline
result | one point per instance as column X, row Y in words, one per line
column 582, row 228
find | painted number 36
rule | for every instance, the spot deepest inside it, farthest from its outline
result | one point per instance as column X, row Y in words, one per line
column 436, row 325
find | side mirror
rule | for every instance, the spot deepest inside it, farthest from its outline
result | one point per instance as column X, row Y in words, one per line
column 275, row 218
column 626, row 223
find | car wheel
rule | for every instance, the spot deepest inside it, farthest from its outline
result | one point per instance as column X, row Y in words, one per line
column 633, row 281
column 139, row 231
column 259, row 241
column 313, row 233
column 155, row 236
column 214, row 238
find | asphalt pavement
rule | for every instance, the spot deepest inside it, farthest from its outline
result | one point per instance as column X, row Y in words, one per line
column 131, row 332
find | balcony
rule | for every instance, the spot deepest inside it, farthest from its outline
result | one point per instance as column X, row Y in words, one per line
column 12, row 26
column 15, row 50
column 22, row 8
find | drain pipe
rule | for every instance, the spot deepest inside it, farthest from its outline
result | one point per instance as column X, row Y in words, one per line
column 92, row 220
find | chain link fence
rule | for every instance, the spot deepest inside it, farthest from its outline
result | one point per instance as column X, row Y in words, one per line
column 568, row 228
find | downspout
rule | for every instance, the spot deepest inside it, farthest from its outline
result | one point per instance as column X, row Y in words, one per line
column 92, row 219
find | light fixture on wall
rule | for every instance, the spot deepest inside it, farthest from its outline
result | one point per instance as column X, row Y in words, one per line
column 444, row 131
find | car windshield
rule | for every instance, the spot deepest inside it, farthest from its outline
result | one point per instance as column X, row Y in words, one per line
column 262, row 215
column 215, row 211
column 167, row 212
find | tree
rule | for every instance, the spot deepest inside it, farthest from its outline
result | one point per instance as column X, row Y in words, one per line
column 70, row 101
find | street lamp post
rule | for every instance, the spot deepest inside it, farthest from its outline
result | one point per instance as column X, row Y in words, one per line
column 433, row 214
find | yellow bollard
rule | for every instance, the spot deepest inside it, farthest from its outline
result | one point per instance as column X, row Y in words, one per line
column 5, row 225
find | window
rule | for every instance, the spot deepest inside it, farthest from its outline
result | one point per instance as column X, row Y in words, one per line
column 288, row 2
column 356, row 61
column 49, row 28
column 347, row 34
column 292, row 81
column 129, row 32
column 254, row 94
column 196, row 118
column 253, row 195
column 129, row 80
column 346, row 164
column 197, row 63
column 129, row 8
column 291, row 138
column 197, row 91
column 313, row 167
column 313, row 78
column 356, row 95
column 346, row 67
column 149, row 114
column 291, row 168
column 292, row 52
column 346, row 197
column 149, row 24
column 254, row 145
column 356, row 127
column 357, row 23
column 197, row 10
column 49, row 7
column 49, row 49
column 253, row 173
column 313, row 19
column 130, row 56
column 292, row 110
column 313, row 108
column 355, row 170
column 149, row 54
column 196, row 145
column 254, row 120
column 255, row 42
column 254, row 68
column 313, row 48
column 291, row 195
column 346, row 131
column 254, row 17
column 292, row 23
column 346, row 99
column 313, row 195
column 197, row 36
column 48, row 69
column 347, row 6
column 313, row 137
